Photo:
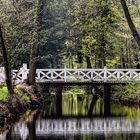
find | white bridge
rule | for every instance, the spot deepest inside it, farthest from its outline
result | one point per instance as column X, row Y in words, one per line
column 75, row 75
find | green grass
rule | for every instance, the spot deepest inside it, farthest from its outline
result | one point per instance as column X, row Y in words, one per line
column 3, row 93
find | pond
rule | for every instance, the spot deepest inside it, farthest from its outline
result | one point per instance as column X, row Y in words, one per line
column 75, row 123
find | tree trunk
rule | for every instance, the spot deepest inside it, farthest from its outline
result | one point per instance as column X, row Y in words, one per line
column 130, row 23
column 32, row 67
column 88, row 62
column 6, row 64
column 102, row 41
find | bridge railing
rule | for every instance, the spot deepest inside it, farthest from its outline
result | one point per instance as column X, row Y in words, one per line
column 74, row 75
column 88, row 75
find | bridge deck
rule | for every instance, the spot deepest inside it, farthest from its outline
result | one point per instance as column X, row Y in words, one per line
column 83, row 83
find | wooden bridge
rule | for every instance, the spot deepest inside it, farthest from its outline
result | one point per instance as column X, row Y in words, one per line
column 75, row 75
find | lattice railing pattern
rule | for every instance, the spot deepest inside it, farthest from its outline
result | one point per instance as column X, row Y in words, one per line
column 88, row 75
column 75, row 75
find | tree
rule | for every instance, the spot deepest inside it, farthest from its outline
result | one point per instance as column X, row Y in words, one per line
column 94, row 23
column 130, row 22
column 68, row 32
column 6, row 64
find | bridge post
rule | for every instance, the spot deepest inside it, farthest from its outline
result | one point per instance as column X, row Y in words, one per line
column 131, row 75
column 58, row 95
column 105, row 74
column 65, row 74
column 107, row 97
column 24, row 72
column 2, row 75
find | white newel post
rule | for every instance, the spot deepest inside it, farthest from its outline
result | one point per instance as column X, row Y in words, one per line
column 2, row 75
column 131, row 75
column 105, row 74
column 65, row 74
column 24, row 71
column 52, row 73
column 118, row 75
column 91, row 78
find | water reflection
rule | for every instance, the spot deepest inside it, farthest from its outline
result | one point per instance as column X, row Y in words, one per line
column 82, row 105
column 44, row 125
column 80, row 126
column 44, row 128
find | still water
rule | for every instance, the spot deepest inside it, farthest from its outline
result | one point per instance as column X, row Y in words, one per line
column 75, row 124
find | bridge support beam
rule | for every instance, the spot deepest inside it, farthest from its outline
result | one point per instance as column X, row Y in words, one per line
column 58, row 95
column 107, row 98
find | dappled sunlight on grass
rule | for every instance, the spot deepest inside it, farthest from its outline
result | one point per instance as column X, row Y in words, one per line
column 4, row 93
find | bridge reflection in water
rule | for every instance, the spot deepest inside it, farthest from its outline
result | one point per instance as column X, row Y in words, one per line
column 75, row 126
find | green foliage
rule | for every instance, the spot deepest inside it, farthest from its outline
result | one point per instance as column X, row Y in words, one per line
column 128, row 91
column 69, row 31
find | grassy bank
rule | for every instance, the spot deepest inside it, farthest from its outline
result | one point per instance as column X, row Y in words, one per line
column 4, row 95
column 12, row 107
column 127, row 94
column 127, row 91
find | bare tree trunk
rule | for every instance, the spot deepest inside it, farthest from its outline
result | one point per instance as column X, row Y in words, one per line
column 6, row 64
column 130, row 22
